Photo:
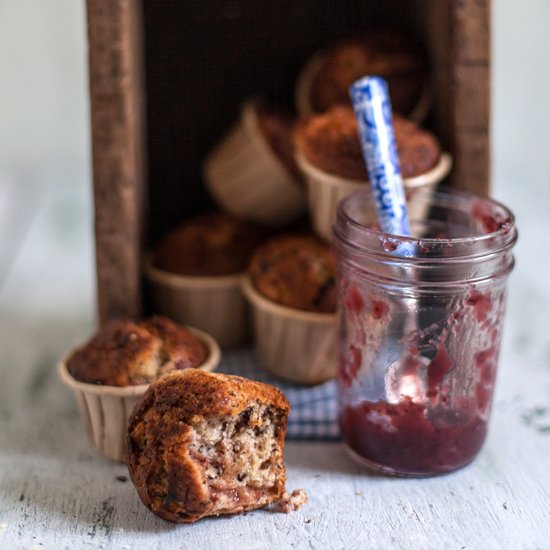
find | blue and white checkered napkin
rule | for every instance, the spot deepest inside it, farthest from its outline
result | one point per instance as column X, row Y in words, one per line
column 313, row 409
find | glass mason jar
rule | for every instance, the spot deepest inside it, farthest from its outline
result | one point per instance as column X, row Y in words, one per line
column 420, row 327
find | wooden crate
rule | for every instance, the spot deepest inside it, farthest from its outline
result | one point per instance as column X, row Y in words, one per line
column 167, row 78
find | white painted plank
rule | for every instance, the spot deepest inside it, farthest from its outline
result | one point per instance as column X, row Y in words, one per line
column 55, row 492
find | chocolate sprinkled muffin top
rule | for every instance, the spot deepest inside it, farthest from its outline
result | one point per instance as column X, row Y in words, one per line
column 330, row 142
column 208, row 244
column 393, row 56
column 296, row 271
column 127, row 352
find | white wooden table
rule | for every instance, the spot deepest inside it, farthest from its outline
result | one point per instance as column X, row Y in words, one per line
column 56, row 492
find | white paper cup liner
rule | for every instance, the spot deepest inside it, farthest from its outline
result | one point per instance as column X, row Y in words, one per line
column 299, row 346
column 326, row 190
column 302, row 92
column 214, row 304
column 246, row 178
column 105, row 409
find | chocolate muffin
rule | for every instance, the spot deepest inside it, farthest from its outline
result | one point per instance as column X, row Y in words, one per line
column 393, row 56
column 208, row 244
column 128, row 353
column 330, row 141
column 202, row 444
column 297, row 271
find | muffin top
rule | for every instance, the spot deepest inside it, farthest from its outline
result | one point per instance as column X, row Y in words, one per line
column 393, row 56
column 297, row 271
column 208, row 244
column 330, row 141
column 127, row 352
column 276, row 125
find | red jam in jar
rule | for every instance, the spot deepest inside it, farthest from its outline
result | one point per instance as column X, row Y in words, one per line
column 420, row 329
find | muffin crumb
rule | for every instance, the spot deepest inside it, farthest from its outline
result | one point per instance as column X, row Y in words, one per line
column 294, row 501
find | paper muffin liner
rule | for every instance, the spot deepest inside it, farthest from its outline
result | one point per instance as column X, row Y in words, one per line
column 300, row 346
column 105, row 409
column 247, row 179
column 325, row 190
column 302, row 92
column 214, row 304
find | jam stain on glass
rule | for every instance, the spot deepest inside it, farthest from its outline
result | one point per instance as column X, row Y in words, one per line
column 439, row 366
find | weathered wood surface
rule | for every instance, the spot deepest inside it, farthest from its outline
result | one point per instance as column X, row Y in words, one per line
column 57, row 493
column 117, row 122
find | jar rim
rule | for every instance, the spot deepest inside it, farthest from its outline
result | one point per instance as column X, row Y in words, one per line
column 495, row 233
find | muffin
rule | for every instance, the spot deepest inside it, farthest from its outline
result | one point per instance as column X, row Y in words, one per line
column 295, row 271
column 208, row 244
column 395, row 57
column 329, row 152
column 112, row 371
column 128, row 353
column 195, row 274
column 202, row 444
column 251, row 173
column 290, row 285
column 330, row 141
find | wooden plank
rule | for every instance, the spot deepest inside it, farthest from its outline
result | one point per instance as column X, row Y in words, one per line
column 57, row 492
column 117, row 91
column 471, row 168
column 470, row 84
column 435, row 18
column 472, row 103
column 472, row 31
column 458, row 39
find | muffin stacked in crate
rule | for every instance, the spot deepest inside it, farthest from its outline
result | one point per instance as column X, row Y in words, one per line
column 329, row 153
column 274, row 168
column 291, row 288
column 195, row 274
